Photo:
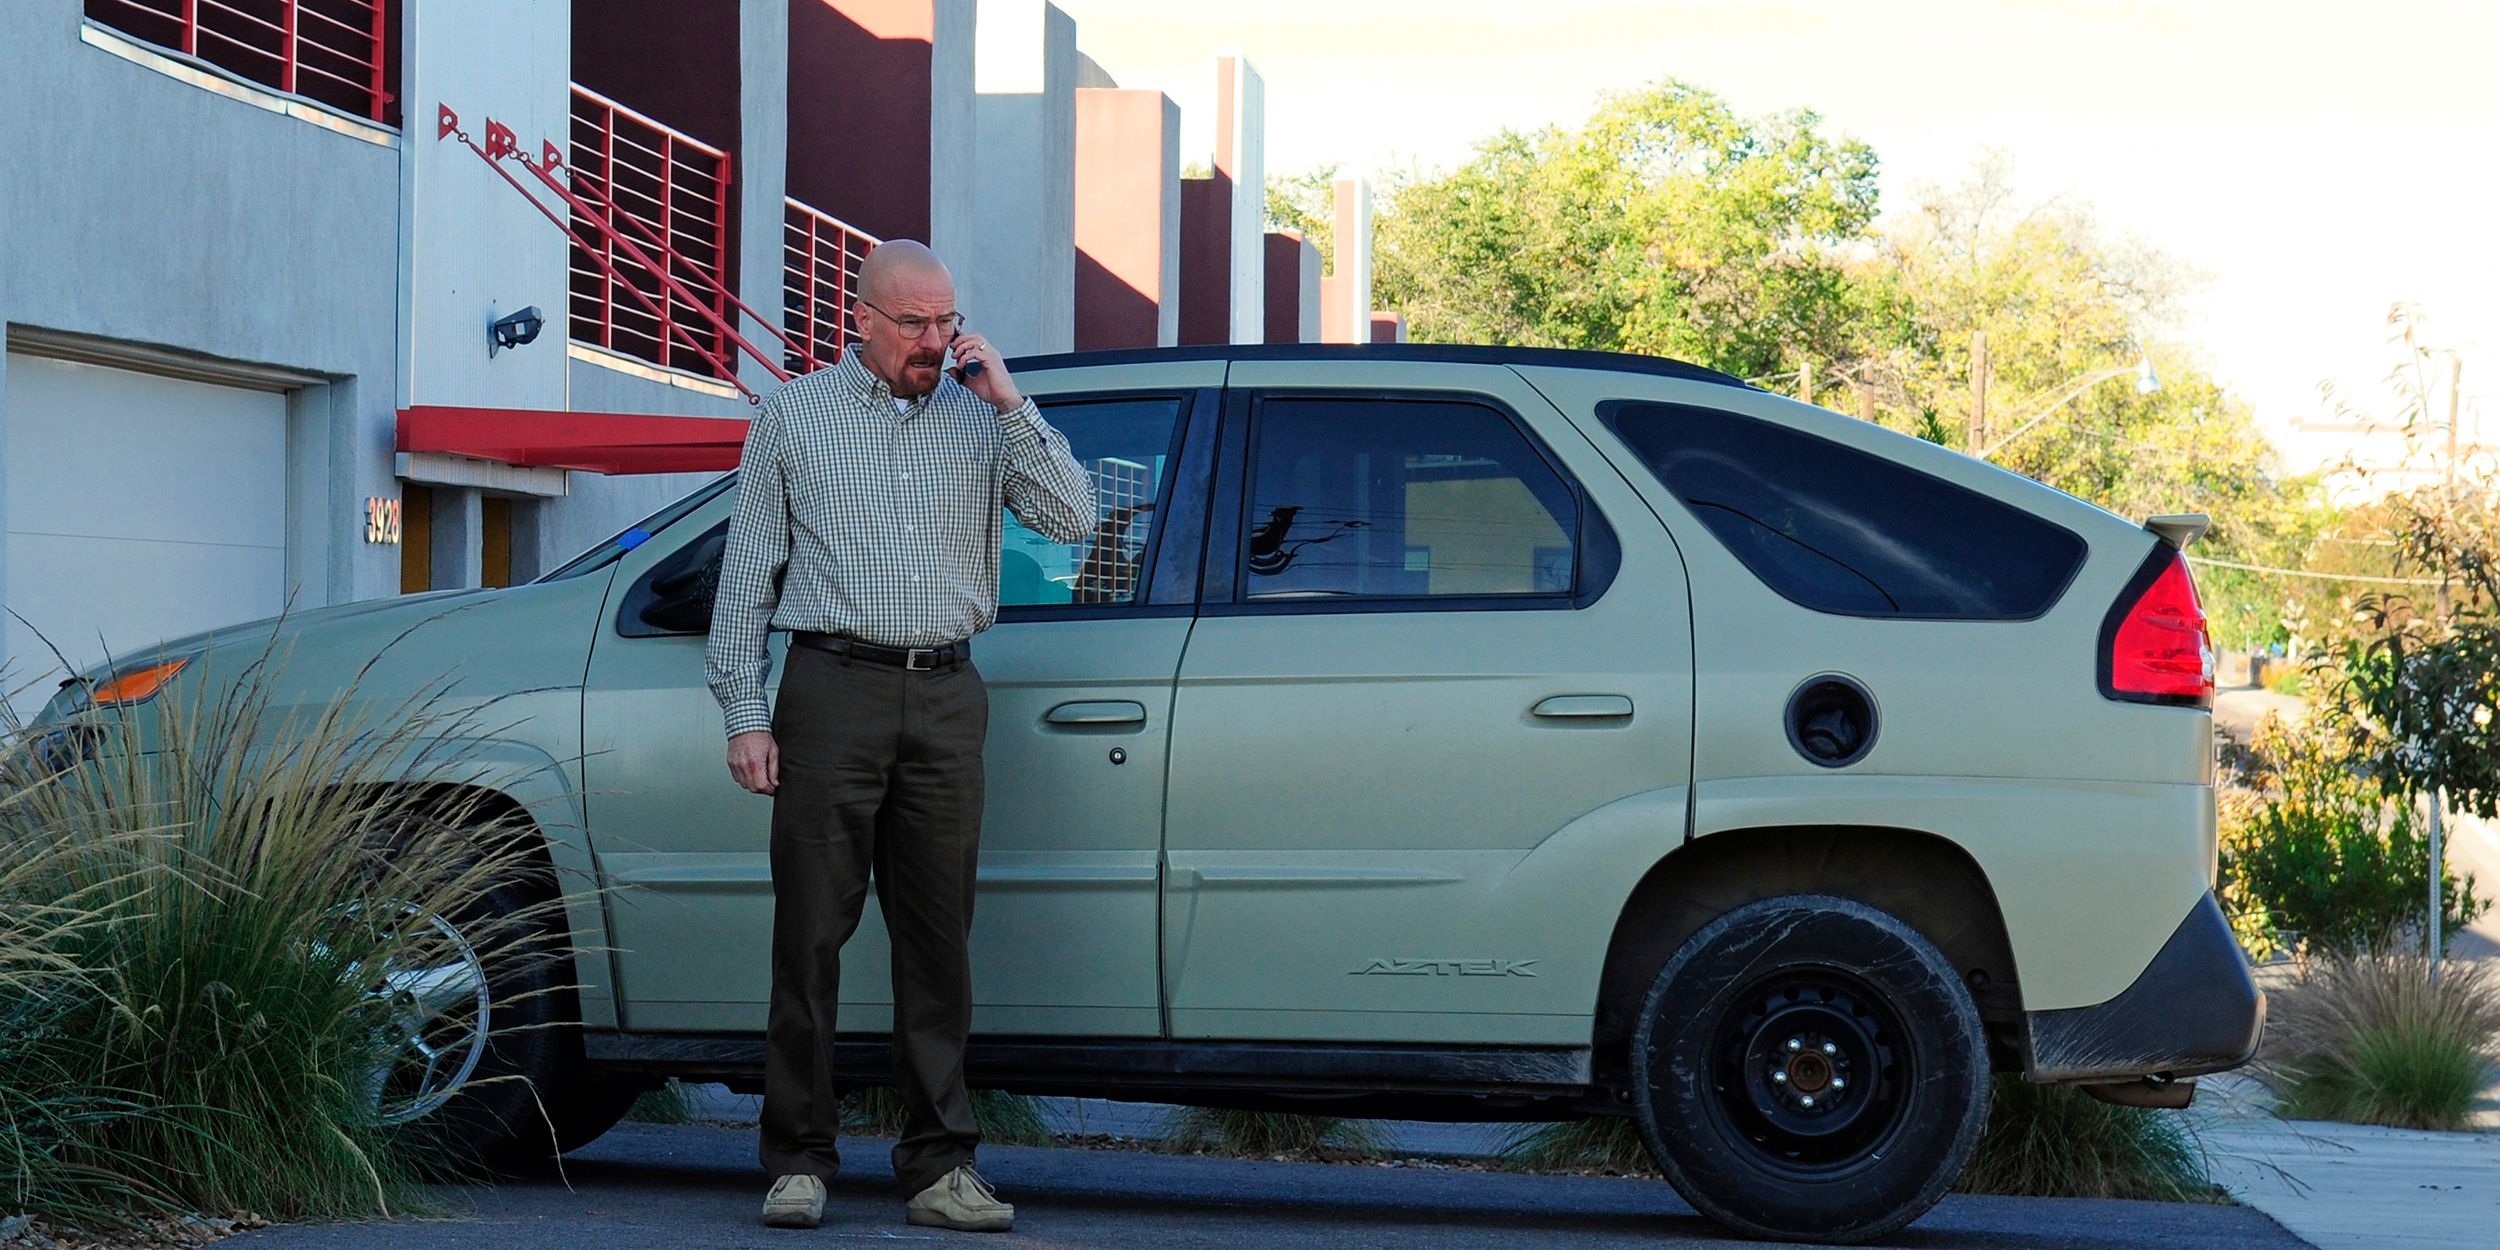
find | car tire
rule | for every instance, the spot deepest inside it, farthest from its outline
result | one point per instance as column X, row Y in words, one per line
column 530, row 1095
column 1809, row 1068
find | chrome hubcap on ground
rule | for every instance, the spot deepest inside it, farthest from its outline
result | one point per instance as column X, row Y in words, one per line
column 1808, row 1070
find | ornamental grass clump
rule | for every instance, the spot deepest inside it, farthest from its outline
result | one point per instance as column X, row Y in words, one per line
column 1272, row 1134
column 2056, row 1141
column 1005, row 1119
column 1609, row 1144
column 2365, row 1037
column 225, row 920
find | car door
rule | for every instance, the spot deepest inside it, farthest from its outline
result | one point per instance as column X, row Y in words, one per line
column 1080, row 669
column 1438, row 634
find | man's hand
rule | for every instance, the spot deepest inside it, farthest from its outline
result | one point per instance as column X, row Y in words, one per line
column 992, row 383
column 755, row 760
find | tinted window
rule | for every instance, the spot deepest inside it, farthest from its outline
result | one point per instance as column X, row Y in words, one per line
column 1841, row 530
column 1402, row 499
column 1124, row 444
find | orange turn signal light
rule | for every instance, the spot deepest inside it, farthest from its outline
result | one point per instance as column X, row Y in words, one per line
column 139, row 683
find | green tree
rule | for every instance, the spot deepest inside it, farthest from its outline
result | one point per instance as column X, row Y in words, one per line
column 2066, row 311
column 1667, row 224
column 1307, row 203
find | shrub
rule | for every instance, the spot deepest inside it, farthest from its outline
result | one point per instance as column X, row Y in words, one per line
column 1597, row 1144
column 211, row 1028
column 2055, row 1141
column 1005, row 1119
column 2330, row 862
column 1272, row 1134
column 670, row 1103
column 2364, row 1037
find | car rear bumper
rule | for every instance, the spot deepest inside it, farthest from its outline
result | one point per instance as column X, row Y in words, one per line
column 2195, row 1009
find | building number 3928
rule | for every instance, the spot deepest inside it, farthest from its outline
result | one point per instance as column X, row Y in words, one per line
column 382, row 521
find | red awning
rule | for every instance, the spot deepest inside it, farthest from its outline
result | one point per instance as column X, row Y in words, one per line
column 600, row 442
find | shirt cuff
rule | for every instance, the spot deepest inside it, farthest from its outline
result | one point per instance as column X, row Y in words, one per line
column 1024, row 420
column 749, row 715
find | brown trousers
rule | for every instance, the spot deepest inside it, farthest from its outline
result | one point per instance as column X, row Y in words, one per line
column 880, row 778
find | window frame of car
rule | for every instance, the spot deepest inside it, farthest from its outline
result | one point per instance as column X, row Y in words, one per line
column 1166, row 561
column 1611, row 415
column 1597, row 550
column 1163, row 563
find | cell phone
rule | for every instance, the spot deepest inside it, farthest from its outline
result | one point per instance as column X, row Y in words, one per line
column 965, row 372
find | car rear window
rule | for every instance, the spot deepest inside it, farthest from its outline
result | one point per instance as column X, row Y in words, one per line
column 1841, row 530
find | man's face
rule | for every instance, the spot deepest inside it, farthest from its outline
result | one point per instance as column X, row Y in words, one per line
column 909, row 366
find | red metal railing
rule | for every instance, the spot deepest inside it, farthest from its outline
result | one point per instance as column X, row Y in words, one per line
column 820, row 256
column 672, row 190
column 333, row 51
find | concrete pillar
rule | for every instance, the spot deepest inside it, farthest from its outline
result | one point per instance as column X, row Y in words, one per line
column 1128, row 219
column 470, row 249
column 1206, row 259
column 459, row 527
column 1292, row 288
column 1016, row 279
column 1346, row 294
column 763, row 165
column 530, row 557
column 954, row 122
column 1241, row 157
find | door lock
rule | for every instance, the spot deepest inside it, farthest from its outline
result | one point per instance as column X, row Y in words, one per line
column 1119, row 755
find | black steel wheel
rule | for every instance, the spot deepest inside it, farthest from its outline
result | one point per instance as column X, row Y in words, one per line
column 1810, row 1068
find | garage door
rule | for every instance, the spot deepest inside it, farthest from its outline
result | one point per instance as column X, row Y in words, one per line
column 139, row 508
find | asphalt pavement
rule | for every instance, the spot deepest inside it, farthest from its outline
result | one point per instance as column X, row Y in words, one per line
column 643, row 1187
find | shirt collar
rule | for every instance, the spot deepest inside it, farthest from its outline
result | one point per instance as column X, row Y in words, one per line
column 854, row 375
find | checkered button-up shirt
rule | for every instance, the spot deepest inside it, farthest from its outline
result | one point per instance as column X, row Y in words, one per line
column 880, row 523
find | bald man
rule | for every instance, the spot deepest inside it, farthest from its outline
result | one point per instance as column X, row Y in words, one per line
column 868, row 528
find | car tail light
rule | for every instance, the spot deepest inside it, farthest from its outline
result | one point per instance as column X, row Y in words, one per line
column 2154, row 648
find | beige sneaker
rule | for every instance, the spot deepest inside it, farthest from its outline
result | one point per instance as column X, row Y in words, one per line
column 962, row 1201
column 795, row 1202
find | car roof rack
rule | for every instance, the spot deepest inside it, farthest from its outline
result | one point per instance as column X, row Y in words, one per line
column 1455, row 353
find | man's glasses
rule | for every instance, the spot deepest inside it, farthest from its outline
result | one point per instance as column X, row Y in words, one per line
column 949, row 325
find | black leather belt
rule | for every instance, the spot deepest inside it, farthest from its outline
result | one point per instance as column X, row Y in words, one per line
column 917, row 659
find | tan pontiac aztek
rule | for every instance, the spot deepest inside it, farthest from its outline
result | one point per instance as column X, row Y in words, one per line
column 1427, row 732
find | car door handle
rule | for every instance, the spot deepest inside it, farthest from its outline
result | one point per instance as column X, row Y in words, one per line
column 1115, row 712
column 1585, row 706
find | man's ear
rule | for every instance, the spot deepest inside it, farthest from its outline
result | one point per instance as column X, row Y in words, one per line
column 859, row 318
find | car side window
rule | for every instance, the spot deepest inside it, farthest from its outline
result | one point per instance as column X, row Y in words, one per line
column 1846, row 531
column 1371, row 498
column 1125, row 444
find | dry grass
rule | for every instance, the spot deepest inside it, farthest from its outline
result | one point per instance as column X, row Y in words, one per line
column 204, row 904
column 1609, row 1144
column 2363, row 1037
column 2055, row 1141
column 1272, row 1134
column 1005, row 1119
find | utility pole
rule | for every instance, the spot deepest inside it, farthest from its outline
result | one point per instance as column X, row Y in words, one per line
column 1805, row 381
column 1978, row 391
column 2448, row 521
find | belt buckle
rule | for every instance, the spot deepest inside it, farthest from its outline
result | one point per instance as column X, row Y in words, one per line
column 913, row 657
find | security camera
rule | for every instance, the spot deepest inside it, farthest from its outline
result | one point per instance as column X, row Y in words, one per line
column 512, row 331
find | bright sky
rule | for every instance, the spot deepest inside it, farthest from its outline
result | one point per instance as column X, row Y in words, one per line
column 2318, row 161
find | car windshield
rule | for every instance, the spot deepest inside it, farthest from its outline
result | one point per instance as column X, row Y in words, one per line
column 635, row 535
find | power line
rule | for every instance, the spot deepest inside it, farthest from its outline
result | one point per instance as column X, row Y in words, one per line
column 2327, row 577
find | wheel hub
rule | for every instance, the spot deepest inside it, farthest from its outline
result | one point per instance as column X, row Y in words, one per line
column 1807, row 1070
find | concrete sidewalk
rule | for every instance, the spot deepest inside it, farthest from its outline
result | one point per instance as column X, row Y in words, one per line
column 2352, row 1186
